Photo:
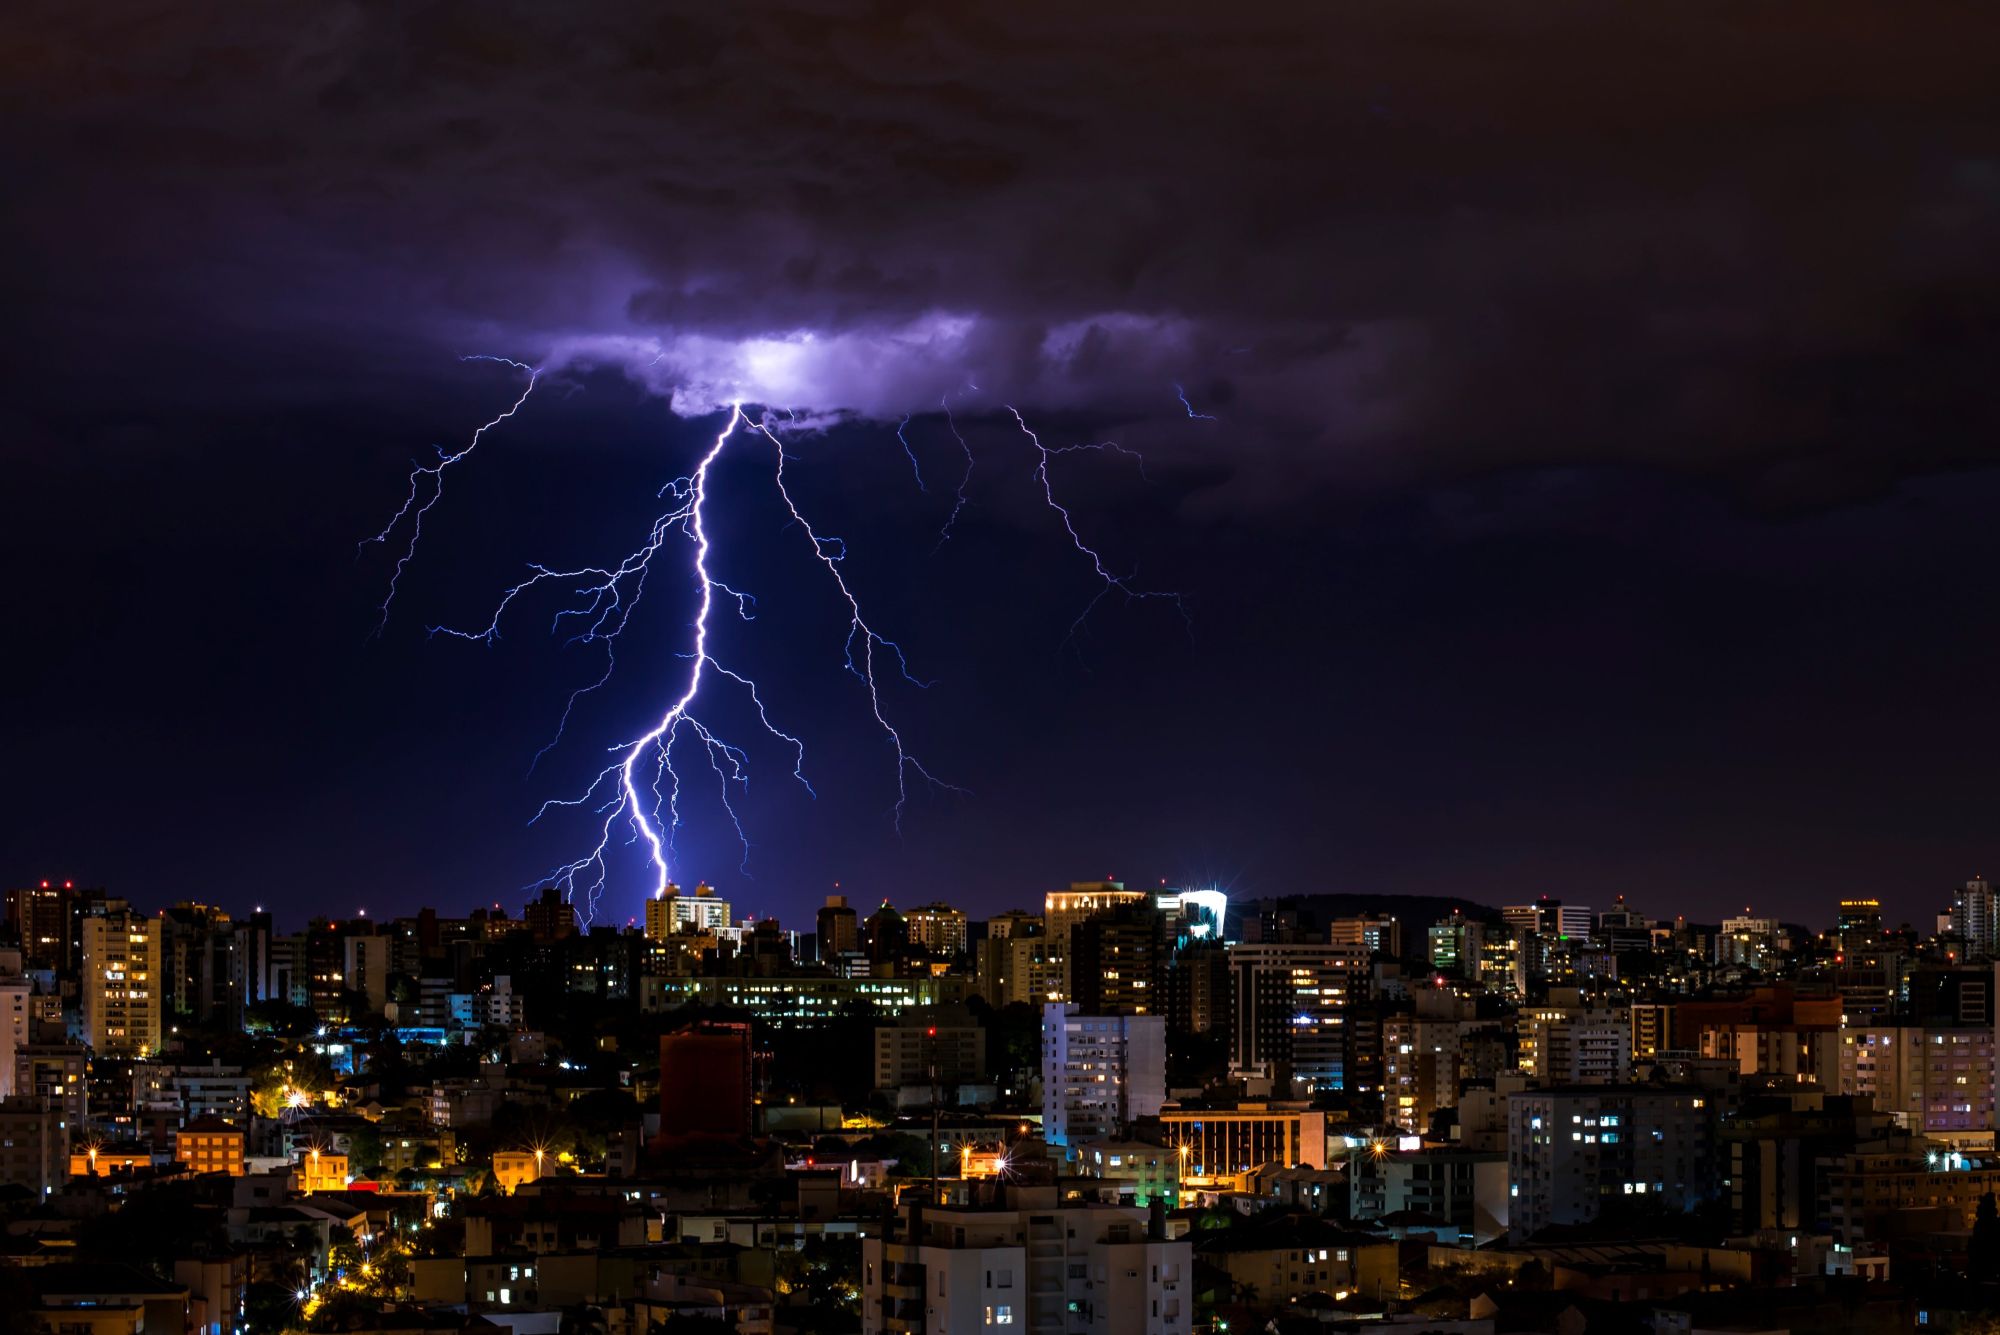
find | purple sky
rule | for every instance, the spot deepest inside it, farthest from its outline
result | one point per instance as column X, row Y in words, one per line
column 1595, row 497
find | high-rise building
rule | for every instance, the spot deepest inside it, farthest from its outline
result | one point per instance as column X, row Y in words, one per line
column 1752, row 943
column 1377, row 933
column 1652, row 1029
column 943, row 1046
column 1623, row 930
column 55, row 1073
column 121, row 984
column 1099, row 1072
column 1571, row 1149
column 17, row 994
column 673, row 910
column 1550, row 918
column 549, row 916
column 705, row 1081
column 1503, row 963
column 250, row 963
column 324, row 955
column 1290, row 1007
column 1016, row 970
column 837, row 930
column 938, row 929
column 885, row 935
column 1062, row 910
column 368, row 965
column 1118, row 961
column 1454, row 946
column 1014, row 922
column 39, row 915
column 1569, row 1042
column 1859, row 926
column 196, row 945
column 1933, row 1079
column 1197, row 915
column 1973, row 917
column 1198, row 988
column 1771, row 1032
column 1419, row 1069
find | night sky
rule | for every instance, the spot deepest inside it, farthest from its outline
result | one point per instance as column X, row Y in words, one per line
column 1598, row 495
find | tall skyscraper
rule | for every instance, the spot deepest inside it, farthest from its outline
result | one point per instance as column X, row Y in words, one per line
column 937, row 928
column 1859, row 926
column 1570, row 1042
column 16, row 1025
column 1747, row 941
column 1016, row 969
column 1570, row 1148
column 39, row 915
column 549, row 916
column 1290, row 1010
column 196, row 943
column 838, row 929
column 121, row 983
column 367, row 967
column 1198, row 1000
column 1064, row 909
column 1378, row 933
column 1118, row 961
column 1013, row 922
column 885, row 935
column 250, row 963
column 1454, row 946
column 1549, row 918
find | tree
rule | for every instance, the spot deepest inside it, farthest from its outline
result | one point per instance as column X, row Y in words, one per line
column 1982, row 1255
column 821, row 1280
column 688, row 1323
column 347, row 1310
column 269, row 1308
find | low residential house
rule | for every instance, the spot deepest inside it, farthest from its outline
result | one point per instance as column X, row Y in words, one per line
column 1136, row 1170
column 105, row 1298
column 1272, row 1259
column 553, row 1222
column 210, row 1145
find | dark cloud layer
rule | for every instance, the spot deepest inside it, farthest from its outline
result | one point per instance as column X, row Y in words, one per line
column 1758, row 242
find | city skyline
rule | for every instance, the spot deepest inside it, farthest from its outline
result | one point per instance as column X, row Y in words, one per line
column 1977, row 914
column 849, row 667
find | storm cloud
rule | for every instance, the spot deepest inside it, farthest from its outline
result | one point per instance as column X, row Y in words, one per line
column 1378, row 241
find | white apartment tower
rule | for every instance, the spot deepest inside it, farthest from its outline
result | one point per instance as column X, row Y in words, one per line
column 1099, row 1072
column 1973, row 916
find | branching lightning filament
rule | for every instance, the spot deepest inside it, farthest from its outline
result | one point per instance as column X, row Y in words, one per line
column 635, row 798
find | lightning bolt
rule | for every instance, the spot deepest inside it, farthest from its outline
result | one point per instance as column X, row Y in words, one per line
column 909, row 453
column 965, row 479
column 1109, row 581
column 636, row 796
column 435, row 472
column 1181, row 394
